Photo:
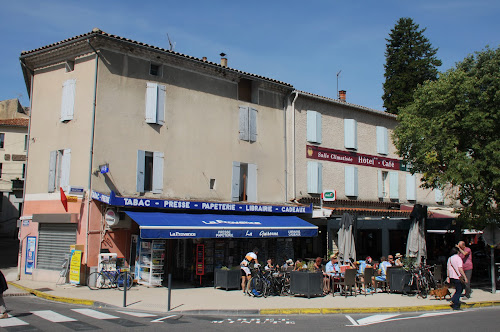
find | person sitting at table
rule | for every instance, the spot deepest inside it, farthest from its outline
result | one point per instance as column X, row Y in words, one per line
column 288, row 265
column 269, row 265
column 362, row 264
column 318, row 264
column 299, row 265
column 382, row 270
column 399, row 260
column 332, row 270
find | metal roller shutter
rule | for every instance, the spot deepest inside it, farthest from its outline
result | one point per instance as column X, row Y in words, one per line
column 53, row 244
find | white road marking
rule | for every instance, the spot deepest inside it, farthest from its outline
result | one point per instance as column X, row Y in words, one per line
column 375, row 319
column 163, row 318
column 137, row 314
column 94, row 314
column 11, row 321
column 353, row 321
column 52, row 316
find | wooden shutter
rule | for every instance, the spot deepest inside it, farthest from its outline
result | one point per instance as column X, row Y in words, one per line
column 380, row 181
column 65, row 169
column 158, row 172
column 252, row 183
column 394, row 185
column 252, row 118
column 382, row 140
column 160, row 106
column 313, row 126
column 141, row 160
column 52, row 171
column 411, row 187
column 68, row 100
column 243, row 123
column 151, row 102
column 235, row 182
column 438, row 194
column 350, row 134
column 314, row 177
column 351, row 181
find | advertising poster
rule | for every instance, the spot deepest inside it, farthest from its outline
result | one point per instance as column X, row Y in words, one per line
column 30, row 254
column 75, row 265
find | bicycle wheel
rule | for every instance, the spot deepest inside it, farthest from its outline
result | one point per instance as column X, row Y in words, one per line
column 256, row 287
column 96, row 280
column 121, row 283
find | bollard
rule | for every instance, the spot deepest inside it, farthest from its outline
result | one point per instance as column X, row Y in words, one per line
column 125, row 285
column 169, row 290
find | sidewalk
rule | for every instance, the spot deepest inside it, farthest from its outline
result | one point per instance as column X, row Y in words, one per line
column 207, row 300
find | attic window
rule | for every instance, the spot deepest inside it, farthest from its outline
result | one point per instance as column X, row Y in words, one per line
column 245, row 90
column 154, row 69
column 70, row 65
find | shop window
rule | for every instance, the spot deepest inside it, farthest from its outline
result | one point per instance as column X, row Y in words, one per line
column 313, row 127
column 155, row 103
column 68, row 100
column 350, row 134
column 351, row 181
column 314, row 177
column 149, row 172
column 382, row 141
column 244, row 182
column 59, row 170
column 248, row 124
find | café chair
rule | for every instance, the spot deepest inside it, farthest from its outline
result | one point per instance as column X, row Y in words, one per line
column 350, row 281
column 367, row 278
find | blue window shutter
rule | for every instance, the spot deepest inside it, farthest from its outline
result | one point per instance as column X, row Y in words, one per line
column 351, row 181
column 380, row 181
column 141, row 161
column 243, row 123
column 313, row 126
column 411, row 187
column 157, row 172
column 68, row 100
column 382, row 140
column 314, row 177
column 151, row 102
column 252, row 183
column 252, row 117
column 438, row 194
column 235, row 182
column 350, row 134
column 160, row 107
column 52, row 171
column 65, row 169
column 394, row 185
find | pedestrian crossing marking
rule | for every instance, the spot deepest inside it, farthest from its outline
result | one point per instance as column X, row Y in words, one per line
column 52, row 316
column 136, row 314
column 95, row 314
column 11, row 321
column 375, row 319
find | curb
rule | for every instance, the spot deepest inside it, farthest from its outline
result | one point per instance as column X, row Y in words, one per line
column 54, row 298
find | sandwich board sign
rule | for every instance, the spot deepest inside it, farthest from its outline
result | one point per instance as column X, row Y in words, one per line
column 329, row 195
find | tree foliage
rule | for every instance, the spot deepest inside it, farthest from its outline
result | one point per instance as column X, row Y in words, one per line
column 410, row 61
column 450, row 134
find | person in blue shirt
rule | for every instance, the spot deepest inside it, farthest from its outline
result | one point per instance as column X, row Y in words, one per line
column 382, row 270
column 332, row 267
column 362, row 264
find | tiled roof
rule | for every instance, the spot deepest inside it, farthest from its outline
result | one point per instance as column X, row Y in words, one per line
column 369, row 212
column 14, row 122
column 98, row 32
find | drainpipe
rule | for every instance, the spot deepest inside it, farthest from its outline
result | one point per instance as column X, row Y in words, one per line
column 91, row 152
column 293, row 145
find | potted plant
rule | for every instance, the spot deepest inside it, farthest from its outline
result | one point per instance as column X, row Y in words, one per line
column 227, row 278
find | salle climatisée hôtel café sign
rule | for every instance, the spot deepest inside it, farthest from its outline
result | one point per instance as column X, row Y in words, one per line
column 353, row 158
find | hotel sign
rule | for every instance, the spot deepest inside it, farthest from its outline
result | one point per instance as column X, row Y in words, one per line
column 353, row 158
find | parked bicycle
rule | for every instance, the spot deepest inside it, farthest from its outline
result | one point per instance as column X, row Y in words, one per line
column 266, row 283
column 110, row 279
column 422, row 280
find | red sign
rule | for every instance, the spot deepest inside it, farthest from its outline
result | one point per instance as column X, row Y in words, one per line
column 348, row 157
column 200, row 260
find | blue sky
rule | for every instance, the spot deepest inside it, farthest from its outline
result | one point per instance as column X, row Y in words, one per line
column 304, row 43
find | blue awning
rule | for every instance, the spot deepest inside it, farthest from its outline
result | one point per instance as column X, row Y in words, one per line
column 159, row 225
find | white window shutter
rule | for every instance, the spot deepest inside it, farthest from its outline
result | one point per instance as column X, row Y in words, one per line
column 158, row 158
column 52, row 171
column 411, row 187
column 235, row 183
column 252, row 117
column 243, row 123
column 438, row 194
column 380, row 184
column 313, row 127
column 160, row 109
column 394, row 185
column 65, row 169
column 351, row 181
column 314, row 177
column 151, row 102
column 252, row 183
column 382, row 140
column 68, row 100
column 350, row 134
column 141, row 161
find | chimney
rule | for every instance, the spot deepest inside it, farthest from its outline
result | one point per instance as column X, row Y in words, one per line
column 342, row 95
column 204, row 58
column 223, row 60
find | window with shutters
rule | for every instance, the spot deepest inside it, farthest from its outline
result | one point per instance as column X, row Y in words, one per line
column 351, row 181
column 313, row 127
column 244, row 182
column 155, row 103
column 411, row 187
column 68, row 100
column 382, row 140
column 314, row 177
column 248, row 124
column 150, row 171
column 350, row 134
column 388, row 185
column 382, row 184
column 59, row 170
column 439, row 196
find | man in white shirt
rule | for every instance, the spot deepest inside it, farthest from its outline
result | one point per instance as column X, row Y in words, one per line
column 454, row 271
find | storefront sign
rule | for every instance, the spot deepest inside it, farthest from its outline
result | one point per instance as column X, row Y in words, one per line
column 207, row 206
column 30, row 254
column 200, row 259
column 353, row 158
column 76, row 262
column 329, row 195
column 152, row 233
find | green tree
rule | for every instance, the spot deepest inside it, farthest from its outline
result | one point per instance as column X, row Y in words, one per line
column 450, row 134
column 410, row 61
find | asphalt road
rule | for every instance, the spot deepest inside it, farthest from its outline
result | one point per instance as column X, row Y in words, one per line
column 35, row 314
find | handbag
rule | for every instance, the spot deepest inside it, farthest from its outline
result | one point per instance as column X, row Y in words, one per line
column 461, row 277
